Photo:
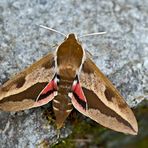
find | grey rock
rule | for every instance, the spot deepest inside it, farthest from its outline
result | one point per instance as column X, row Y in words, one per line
column 122, row 54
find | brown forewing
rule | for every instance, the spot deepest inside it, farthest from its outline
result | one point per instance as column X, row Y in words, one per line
column 21, row 91
column 105, row 105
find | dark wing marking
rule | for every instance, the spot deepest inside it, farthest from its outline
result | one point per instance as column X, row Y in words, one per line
column 20, row 92
column 105, row 105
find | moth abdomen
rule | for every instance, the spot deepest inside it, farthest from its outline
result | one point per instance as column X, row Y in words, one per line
column 66, row 103
column 62, row 108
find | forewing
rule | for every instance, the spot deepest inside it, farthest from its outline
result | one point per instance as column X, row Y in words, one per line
column 105, row 105
column 22, row 90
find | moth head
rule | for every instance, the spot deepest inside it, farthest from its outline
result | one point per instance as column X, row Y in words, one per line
column 69, row 56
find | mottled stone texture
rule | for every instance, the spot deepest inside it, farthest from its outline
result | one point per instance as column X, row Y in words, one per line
column 122, row 54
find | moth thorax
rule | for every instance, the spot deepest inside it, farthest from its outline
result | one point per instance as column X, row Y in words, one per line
column 69, row 55
column 67, row 72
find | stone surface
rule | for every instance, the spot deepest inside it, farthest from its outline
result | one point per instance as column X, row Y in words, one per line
column 122, row 54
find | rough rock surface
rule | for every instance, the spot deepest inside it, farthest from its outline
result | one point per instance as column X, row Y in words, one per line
column 122, row 54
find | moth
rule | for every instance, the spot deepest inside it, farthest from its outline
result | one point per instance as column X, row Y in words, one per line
column 70, row 79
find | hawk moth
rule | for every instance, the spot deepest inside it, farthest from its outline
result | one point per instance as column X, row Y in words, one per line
column 69, row 78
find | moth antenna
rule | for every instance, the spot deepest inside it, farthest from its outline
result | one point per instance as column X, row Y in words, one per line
column 51, row 29
column 91, row 34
